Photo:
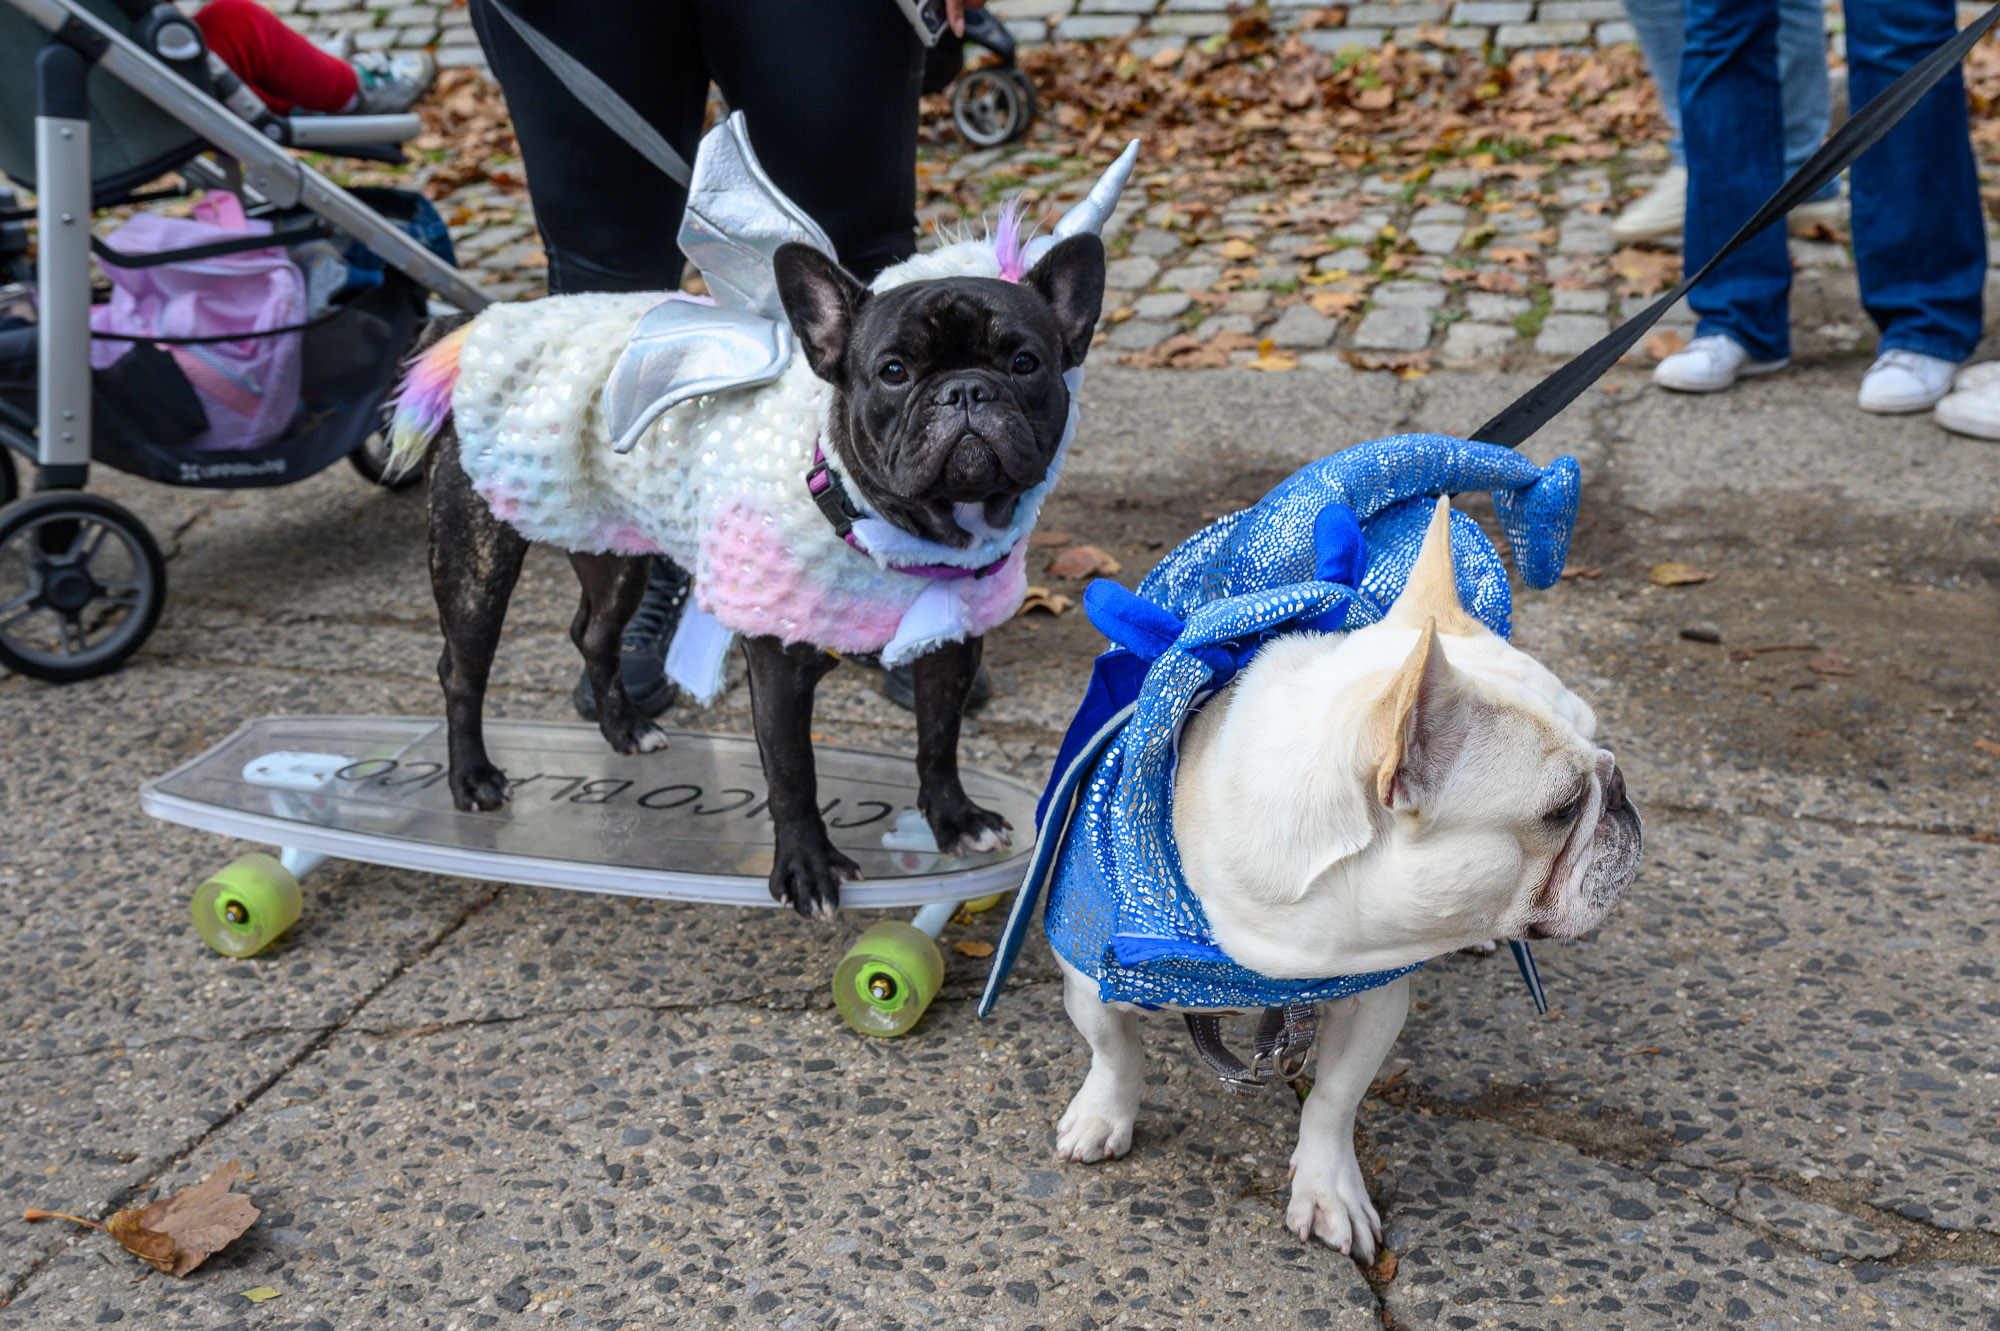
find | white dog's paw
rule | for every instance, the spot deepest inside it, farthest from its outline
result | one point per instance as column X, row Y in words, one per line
column 1089, row 1132
column 652, row 739
column 1330, row 1203
column 1486, row 947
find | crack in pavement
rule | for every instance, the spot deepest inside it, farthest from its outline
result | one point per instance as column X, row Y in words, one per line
column 1618, row 1138
column 470, row 910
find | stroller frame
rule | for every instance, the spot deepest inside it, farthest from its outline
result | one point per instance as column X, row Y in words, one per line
column 259, row 164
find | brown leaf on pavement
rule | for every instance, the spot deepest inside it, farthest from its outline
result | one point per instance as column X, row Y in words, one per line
column 1385, row 1266
column 1044, row 600
column 180, row 1232
column 1335, row 304
column 1500, row 280
column 1083, row 561
column 1985, row 745
column 1645, row 272
column 1662, row 345
column 1051, row 537
column 1829, row 663
column 1676, row 574
column 973, row 947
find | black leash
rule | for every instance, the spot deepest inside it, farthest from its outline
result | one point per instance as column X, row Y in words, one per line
column 1284, row 1035
column 1540, row 404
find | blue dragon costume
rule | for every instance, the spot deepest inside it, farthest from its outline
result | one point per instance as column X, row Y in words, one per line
column 1328, row 550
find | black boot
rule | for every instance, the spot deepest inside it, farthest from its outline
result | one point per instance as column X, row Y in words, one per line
column 642, row 653
column 899, row 686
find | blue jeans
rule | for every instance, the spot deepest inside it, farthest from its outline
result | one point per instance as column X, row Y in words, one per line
column 1919, row 228
column 1801, row 69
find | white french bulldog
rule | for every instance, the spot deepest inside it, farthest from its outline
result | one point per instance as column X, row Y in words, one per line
column 1357, row 802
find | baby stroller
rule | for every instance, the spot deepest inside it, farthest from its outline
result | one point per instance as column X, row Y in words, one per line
column 990, row 105
column 97, row 99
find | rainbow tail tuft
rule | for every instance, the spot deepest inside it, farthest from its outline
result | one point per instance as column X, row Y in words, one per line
column 423, row 401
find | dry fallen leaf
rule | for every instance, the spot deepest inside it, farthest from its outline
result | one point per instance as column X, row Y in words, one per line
column 178, row 1233
column 973, row 947
column 1673, row 574
column 1052, row 536
column 1270, row 358
column 261, row 1294
column 1644, row 272
column 1334, row 304
column 1385, row 1266
column 1083, row 561
column 1041, row 598
column 1829, row 663
column 191, row 1224
column 1500, row 280
column 1662, row 345
column 1985, row 745
column 1237, row 251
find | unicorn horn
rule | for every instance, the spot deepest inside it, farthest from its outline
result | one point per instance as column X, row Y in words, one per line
column 1095, row 210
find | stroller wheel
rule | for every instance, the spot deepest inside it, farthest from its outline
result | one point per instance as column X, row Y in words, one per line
column 81, row 586
column 989, row 106
column 10, row 484
column 372, row 461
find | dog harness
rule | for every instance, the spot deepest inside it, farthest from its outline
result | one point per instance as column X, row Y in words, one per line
column 1328, row 550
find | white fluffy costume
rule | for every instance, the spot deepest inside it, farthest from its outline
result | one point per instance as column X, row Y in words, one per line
column 721, row 433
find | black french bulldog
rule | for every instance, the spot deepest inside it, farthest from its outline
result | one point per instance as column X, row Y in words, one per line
column 947, row 391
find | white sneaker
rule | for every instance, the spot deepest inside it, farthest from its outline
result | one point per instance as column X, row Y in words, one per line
column 1710, row 364
column 1983, row 375
column 1658, row 212
column 1904, row 381
column 391, row 84
column 1972, row 411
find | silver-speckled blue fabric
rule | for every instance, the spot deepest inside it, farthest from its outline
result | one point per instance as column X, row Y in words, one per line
column 1119, row 908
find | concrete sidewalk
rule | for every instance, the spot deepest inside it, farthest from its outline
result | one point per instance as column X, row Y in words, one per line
column 1769, row 1094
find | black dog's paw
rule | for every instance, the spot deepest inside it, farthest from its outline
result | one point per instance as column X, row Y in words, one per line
column 482, row 787
column 806, row 875
column 634, row 735
column 967, row 829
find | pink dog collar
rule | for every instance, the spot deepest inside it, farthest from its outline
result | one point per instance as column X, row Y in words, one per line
column 829, row 495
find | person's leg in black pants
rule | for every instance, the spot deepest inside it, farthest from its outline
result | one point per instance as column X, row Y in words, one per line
column 829, row 92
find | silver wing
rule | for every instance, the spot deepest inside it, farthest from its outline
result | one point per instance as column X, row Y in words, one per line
column 682, row 349
column 736, row 219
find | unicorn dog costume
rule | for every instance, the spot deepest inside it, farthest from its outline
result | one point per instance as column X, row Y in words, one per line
column 840, row 468
column 626, row 424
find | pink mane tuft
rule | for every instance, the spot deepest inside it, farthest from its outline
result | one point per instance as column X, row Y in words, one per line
column 1010, row 241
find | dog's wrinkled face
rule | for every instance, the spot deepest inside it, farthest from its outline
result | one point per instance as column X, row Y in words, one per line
column 1451, row 792
column 949, row 392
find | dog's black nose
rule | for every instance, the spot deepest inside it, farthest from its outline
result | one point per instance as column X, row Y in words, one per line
column 964, row 393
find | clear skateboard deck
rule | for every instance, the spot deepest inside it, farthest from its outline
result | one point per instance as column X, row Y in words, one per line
column 687, row 823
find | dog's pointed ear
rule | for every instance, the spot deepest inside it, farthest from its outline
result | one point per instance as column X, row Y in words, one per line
column 1070, row 278
column 1420, row 724
column 821, row 299
column 1431, row 594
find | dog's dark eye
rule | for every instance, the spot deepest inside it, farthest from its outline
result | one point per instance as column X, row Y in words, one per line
column 1562, row 816
column 1025, row 363
column 895, row 373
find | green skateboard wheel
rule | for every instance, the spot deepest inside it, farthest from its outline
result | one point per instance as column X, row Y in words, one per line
column 243, row 908
column 887, row 978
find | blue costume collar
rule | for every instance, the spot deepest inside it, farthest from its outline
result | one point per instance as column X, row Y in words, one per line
column 1328, row 550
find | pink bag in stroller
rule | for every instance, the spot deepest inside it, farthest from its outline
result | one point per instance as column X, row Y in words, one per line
column 250, row 388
